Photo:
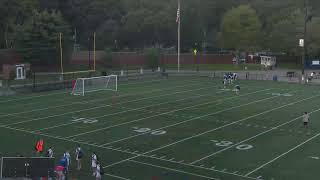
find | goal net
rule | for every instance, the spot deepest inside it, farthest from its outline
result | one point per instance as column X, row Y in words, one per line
column 85, row 85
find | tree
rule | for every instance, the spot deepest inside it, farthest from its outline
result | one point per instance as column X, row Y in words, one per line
column 13, row 12
column 108, row 58
column 38, row 37
column 240, row 29
column 286, row 33
column 153, row 58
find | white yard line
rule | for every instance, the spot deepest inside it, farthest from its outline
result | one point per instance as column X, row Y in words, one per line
column 108, row 148
column 93, row 101
column 57, row 93
column 32, row 97
column 121, row 112
column 171, row 169
column 135, row 109
column 98, row 107
column 118, row 177
column 199, row 167
column 189, row 120
column 251, row 138
column 206, row 132
column 283, row 154
column 168, row 112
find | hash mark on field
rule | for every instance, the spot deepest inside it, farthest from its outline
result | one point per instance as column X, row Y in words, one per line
column 235, row 172
column 162, row 157
column 213, row 167
column 171, row 159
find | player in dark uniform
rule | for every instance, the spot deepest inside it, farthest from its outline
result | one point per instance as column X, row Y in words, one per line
column 237, row 89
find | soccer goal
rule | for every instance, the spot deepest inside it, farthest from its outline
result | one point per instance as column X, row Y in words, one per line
column 85, row 85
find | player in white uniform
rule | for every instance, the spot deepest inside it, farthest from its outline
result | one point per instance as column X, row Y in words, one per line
column 98, row 171
column 50, row 152
column 305, row 119
column 79, row 155
column 94, row 160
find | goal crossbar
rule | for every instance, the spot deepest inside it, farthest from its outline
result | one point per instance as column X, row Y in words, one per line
column 93, row 84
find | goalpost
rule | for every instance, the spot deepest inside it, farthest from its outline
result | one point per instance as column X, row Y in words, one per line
column 84, row 85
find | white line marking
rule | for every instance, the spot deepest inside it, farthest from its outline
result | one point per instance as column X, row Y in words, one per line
column 212, row 130
column 116, row 176
column 314, row 157
column 32, row 97
column 168, row 112
column 171, row 169
column 107, row 105
column 182, row 122
column 194, row 166
column 283, row 154
column 95, row 100
column 251, row 138
column 97, row 146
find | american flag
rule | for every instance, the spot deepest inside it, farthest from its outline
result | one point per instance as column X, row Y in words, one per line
column 178, row 15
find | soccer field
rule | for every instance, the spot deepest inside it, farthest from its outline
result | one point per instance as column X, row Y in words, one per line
column 181, row 128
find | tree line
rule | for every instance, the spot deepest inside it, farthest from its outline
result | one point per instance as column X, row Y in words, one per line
column 208, row 25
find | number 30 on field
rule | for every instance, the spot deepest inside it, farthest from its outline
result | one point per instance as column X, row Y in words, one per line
column 241, row 147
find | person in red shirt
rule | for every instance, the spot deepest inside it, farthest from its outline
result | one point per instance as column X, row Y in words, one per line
column 39, row 146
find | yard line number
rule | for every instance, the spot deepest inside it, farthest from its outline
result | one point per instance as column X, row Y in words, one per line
column 282, row 94
column 149, row 131
column 84, row 120
column 241, row 147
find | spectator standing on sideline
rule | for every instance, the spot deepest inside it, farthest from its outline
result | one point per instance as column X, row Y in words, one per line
column 50, row 152
column 94, row 160
column 79, row 155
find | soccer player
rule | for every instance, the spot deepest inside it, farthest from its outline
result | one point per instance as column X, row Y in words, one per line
column 79, row 155
column 99, row 171
column 94, row 160
column 224, row 83
column 50, row 152
column 39, row 146
column 67, row 156
column 305, row 119
column 237, row 89
column 230, row 78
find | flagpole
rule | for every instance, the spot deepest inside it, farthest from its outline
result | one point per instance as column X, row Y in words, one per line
column 179, row 26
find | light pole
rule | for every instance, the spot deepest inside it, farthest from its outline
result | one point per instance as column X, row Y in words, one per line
column 307, row 18
column 304, row 38
column 178, row 20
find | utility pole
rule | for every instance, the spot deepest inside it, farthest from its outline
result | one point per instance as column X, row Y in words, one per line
column 179, row 27
column 304, row 38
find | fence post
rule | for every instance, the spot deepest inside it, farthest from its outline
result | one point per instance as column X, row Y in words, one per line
column 34, row 80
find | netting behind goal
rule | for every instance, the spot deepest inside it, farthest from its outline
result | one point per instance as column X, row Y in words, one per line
column 27, row 167
column 84, row 85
